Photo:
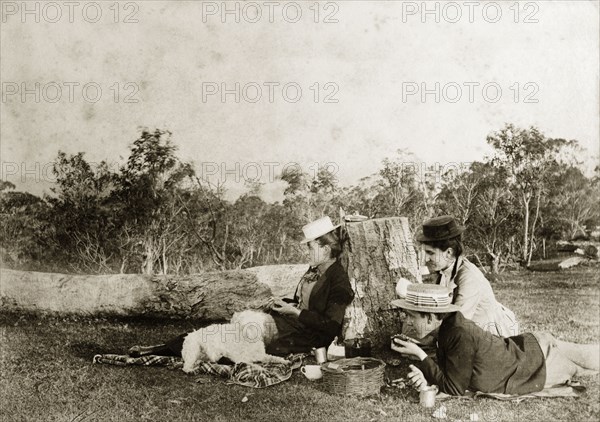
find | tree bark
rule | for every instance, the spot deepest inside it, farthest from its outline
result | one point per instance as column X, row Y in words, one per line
column 496, row 263
column 377, row 253
column 526, row 200
column 535, row 218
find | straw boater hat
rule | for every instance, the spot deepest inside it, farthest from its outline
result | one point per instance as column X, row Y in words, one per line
column 427, row 298
column 317, row 229
column 440, row 228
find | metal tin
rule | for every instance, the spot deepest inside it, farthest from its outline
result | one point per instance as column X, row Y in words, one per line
column 321, row 354
column 357, row 347
column 427, row 396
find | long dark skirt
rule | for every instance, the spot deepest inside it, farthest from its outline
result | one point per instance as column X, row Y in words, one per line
column 293, row 337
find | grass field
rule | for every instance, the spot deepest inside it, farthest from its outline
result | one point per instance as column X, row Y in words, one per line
column 47, row 374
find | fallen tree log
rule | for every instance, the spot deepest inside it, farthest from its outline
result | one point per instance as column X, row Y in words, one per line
column 208, row 296
column 571, row 262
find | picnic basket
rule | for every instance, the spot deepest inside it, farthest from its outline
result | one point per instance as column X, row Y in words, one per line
column 361, row 376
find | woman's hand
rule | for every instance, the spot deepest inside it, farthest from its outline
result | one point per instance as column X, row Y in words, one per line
column 416, row 377
column 269, row 303
column 408, row 348
column 284, row 308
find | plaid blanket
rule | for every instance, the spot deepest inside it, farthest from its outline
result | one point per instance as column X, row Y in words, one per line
column 253, row 375
column 150, row 360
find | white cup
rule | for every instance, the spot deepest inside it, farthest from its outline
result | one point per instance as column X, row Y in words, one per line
column 312, row 372
column 401, row 287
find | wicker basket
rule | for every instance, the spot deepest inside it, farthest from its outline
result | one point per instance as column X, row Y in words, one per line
column 355, row 376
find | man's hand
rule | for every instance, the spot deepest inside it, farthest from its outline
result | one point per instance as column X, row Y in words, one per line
column 284, row 308
column 408, row 348
column 416, row 377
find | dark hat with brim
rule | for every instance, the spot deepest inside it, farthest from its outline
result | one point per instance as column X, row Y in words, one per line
column 440, row 228
column 427, row 298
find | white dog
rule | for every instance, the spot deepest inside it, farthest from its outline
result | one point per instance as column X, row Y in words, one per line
column 241, row 340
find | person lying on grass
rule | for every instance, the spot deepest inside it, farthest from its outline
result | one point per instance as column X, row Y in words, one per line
column 470, row 358
column 313, row 318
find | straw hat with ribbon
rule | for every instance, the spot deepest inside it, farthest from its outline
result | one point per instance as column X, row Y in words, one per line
column 317, row 229
column 427, row 298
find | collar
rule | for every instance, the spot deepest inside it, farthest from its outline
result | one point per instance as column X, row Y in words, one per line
column 324, row 266
column 448, row 271
column 445, row 275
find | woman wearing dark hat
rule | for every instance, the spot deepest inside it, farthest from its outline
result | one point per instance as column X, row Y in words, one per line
column 469, row 358
column 472, row 293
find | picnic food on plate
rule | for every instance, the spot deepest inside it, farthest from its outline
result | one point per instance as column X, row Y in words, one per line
column 404, row 337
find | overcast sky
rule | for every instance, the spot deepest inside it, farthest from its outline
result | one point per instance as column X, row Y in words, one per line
column 340, row 83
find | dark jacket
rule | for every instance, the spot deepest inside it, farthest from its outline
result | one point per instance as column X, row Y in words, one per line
column 327, row 304
column 470, row 358
column 318, row 325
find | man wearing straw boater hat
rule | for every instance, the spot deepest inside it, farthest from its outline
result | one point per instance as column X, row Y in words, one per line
column 470, row 358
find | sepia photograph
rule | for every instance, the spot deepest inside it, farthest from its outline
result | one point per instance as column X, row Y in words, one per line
column 310, row 210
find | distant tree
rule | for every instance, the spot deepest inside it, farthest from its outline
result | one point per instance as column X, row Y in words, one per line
column 403, row 188
column 84, row 214
column 494, row 221
column 362, row 198
column 572, row 202
column 248, row 229
column 459, row 193
column 150, row 190
column 309, row 197
column 6, row 185
column 26, row 236
column 297, row 180
column 527, row 157
column 282, row 234
column 398, row 190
